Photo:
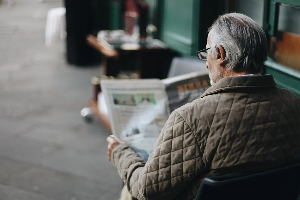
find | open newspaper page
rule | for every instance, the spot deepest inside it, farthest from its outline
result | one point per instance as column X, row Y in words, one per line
column 137, row 110
column 185, row 88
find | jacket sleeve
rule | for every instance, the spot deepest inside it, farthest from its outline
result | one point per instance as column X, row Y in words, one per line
column 173, row 164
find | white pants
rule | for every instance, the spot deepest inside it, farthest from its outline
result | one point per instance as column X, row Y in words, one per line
column 125, row 195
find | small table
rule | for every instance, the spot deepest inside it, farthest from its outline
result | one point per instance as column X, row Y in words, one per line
column 152, row 59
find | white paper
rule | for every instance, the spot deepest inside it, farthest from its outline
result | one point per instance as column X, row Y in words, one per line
column 137, row 110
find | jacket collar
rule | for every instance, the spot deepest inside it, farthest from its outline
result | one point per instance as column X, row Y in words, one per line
column 241, row 82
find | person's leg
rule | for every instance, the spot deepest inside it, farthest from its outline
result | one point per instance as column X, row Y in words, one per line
column 125, row 195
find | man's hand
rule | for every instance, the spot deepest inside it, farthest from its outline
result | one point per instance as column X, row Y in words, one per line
column 112, row 142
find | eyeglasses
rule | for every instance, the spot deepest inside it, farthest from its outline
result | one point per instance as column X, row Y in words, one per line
column 202, row 54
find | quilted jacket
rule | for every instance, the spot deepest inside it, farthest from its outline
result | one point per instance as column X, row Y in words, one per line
column 240, row 124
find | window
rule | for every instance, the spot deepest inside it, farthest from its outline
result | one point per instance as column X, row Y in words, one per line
column 285, row 44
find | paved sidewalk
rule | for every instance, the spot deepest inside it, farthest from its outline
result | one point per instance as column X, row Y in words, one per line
column 47, row 152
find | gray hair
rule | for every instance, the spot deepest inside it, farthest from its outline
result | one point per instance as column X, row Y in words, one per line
column 243, row 40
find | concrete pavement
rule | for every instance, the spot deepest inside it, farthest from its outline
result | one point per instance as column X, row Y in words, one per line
column 47, row 152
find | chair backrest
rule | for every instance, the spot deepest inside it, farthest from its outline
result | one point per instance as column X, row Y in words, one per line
column 277, row 184
column 185, row 65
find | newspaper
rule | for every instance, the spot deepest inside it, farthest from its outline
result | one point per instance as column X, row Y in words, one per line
column 138, row 109
column 185, row 88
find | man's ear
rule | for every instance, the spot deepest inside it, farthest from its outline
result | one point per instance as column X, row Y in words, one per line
column 221, row 54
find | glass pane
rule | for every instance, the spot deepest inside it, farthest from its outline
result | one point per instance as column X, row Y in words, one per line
column 285, row 46
column 252, row 8
column 288, row 19
column 285, row 49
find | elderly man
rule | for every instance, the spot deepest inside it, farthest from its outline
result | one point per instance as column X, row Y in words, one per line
column 242, row 123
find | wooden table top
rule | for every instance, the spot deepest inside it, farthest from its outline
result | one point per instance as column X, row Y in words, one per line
column 94, row 42
column 113, row 50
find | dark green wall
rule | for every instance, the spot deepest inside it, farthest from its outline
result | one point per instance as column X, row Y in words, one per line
column 177, row 25
column 115, row 12
column 284, row 77
column 184, row 24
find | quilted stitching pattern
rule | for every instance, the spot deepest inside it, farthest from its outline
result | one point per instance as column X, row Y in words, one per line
column 176, row 159
column 227, row 129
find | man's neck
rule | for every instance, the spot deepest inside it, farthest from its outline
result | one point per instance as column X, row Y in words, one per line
column 227, row 73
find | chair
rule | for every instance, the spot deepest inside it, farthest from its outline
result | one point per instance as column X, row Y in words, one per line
column 185, row 65
column 276, row 184
column 55, row 25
